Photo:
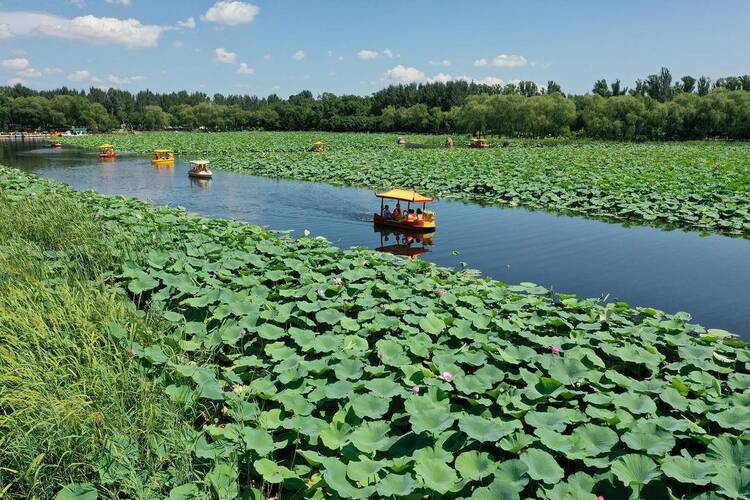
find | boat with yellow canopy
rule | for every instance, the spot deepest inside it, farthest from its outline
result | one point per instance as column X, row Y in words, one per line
column 107, row 151
column 479, row 143
column 163, row 158
column 318, row 147
column 405, row 218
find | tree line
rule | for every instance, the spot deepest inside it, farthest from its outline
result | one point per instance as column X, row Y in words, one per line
column 655, row 108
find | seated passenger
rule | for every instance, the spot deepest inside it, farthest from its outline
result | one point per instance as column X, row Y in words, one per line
column 420, row 215
column 386, row 212
column 397, row 213
column 410, row 215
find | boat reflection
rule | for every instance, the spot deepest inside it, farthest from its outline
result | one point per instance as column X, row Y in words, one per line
column 201, row 184
column 409, row 244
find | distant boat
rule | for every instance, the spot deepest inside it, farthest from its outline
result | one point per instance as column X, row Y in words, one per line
column 200, row 170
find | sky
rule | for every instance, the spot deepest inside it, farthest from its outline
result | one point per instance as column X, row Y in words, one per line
column 359, row 46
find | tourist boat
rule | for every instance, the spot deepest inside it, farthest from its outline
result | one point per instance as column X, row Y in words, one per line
column 318, row 147
column 56, row 145
column 163, row 158
column 424, row 221
column 107, row 151
column 479, row 143
column 200, row 170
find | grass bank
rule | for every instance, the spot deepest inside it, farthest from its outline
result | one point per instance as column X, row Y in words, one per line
column 696, row 185
column 316, row 372
column 75, row 406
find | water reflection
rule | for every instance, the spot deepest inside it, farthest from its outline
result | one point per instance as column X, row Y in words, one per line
column 408, row 244
column 202, row 184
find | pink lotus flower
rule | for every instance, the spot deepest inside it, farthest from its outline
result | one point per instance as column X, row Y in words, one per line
column 346, row 302
column 600, row 497
column 321, row 293
column 556, row 350
column 446, row 376
column 381, row 306
column 415, row 389
column 338, row 280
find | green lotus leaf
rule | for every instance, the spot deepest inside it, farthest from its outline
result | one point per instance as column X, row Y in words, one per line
column 349, row 324
column 578, row 486
column 329, row 316
column 334, row 474
column 595, row 439
column 648, row 437
column 432, row 324
column 687, row 469
column 364, row 470
column 391, row 353
column 369, row 406
column 348, row 369
column 270, row 332
column 497, row 490
column 474, row 466
column 674, row 399
column 384, row 387
column 339, row 389
column 516, row 442
column 635, row 403
column 326, row 343
column 189, row 491
column 486, row 430
column 335, row 435
column 78, row 491
column 223, row 480
column 732, row 481
column 729, row 450
column 552, row 420
column 396, row 485
column 257, row 440
column 542, row 466
column 371, row 436
column 142, row 283
column 272, row 472
column 635, row 471
column 428, row 415
column 567, row 370
column 436, row 475
column 736, row 418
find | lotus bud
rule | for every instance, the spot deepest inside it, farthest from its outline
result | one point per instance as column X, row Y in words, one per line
column 415, row 389
column 441, row 292
column 338, row 280
column 446, row 376
column 321, row 293
column 556, row 350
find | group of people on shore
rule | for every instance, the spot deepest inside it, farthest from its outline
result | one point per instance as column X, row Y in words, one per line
column 398, row 214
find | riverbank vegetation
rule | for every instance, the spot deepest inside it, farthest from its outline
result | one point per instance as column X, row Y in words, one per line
column 318, row 372
column 74, row 407
column 696, row 185
column 656, row 108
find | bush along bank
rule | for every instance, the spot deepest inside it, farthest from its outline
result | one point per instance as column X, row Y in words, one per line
column 320, row 373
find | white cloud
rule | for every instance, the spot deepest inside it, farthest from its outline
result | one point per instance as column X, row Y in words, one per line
column 298, row 56
column 188, row 23
column 502, row 61
column 387, row 53
column 222, row 55
column 17, row 64
column 445, row 63
column 124, row 80
column 244, row 69
column 16, row 81
column 4, row 31
column 128, row 32
column 367, row 55
column 51, row 71
column 126, row 3
column 231, row 13
column 441, row 78
column 402, row 74
column 30, row 73
column 79, row 76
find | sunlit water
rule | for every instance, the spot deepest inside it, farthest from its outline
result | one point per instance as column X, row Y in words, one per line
column 708, row 276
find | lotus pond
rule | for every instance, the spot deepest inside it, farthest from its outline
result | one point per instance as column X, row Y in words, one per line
column 700, row 185
column 320, row 373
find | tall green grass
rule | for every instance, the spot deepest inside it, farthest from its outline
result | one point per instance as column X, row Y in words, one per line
column 74, row 405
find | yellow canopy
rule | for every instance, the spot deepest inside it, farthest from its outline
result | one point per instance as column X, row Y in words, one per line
column 162, row 150
column 106, row 146
column 318, row 142
column 404, row 195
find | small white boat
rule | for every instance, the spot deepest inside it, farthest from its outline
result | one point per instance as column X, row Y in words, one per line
column 200, row 170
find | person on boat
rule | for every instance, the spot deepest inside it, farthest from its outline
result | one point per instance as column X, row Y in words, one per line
column 420, row 215
column 410, row 215
column 387, row 212
column 397, row 213
column 449, row 142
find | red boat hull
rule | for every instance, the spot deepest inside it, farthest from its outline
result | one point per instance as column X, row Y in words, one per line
column 416, row 225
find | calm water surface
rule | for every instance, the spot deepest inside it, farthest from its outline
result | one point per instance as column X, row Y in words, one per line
column 708, row 276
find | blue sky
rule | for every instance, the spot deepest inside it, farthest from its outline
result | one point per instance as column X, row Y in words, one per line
column 358, row 46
